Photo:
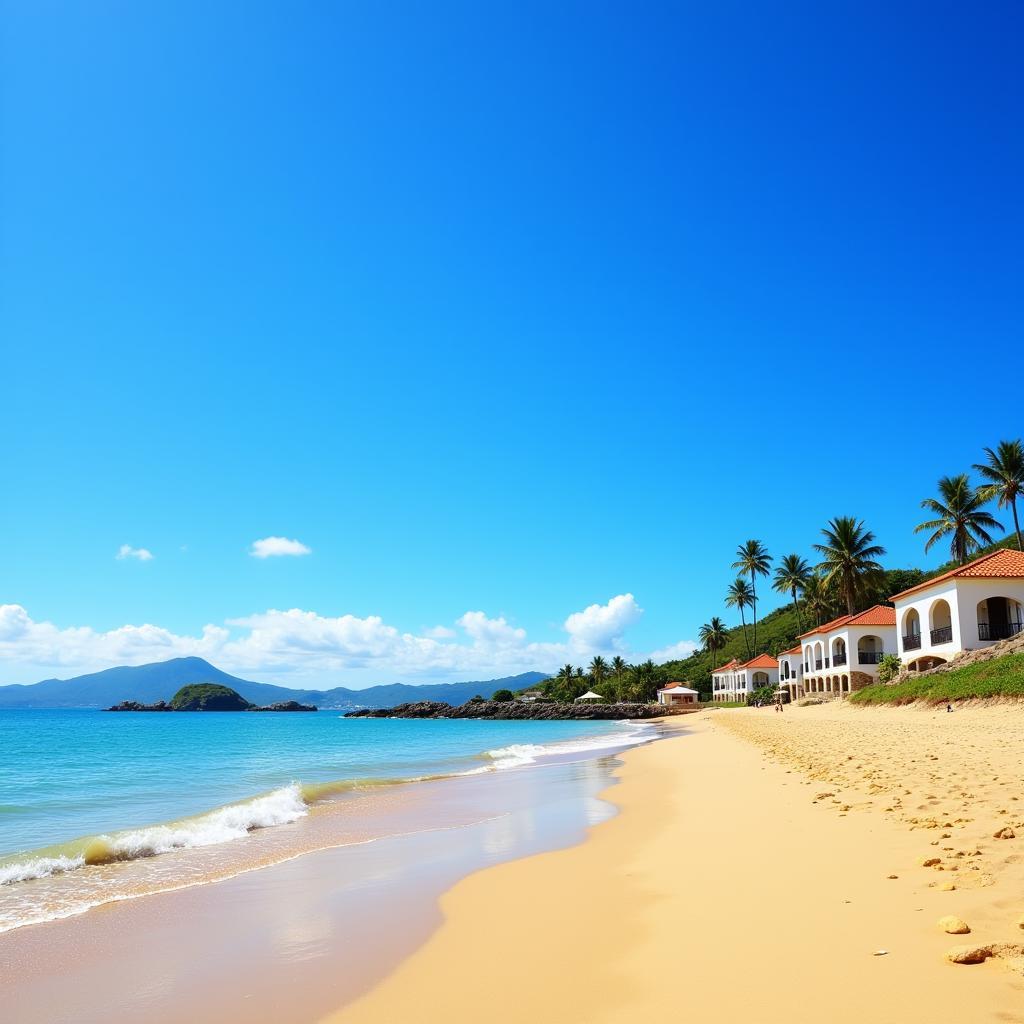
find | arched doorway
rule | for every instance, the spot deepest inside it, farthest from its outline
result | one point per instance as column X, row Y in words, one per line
column 911, row 630
column 869, row 650
column 940, row 623
column 999, row 618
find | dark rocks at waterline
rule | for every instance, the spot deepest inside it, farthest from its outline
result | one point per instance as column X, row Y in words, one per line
column 162, row 705
column 134, row 705
column 286, row 705
column 520, row 711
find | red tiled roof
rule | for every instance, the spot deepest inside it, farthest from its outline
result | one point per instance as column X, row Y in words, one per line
column 671, row 686
column 793, row 650
column 762, row 661
column 879, row 615
column 727, row 667
column 1006, row 563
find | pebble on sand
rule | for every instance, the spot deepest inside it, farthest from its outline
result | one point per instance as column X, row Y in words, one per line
column 953, row 925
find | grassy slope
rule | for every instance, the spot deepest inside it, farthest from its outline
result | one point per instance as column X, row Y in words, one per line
column 1001, row 677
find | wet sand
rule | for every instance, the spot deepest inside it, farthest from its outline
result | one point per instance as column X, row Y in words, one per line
column 293, row 941
column 754, row 874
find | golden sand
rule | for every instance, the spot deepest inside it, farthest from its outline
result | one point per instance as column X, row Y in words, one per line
column 764, row 868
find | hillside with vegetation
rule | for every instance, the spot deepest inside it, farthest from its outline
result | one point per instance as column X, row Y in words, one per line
column 846, row 577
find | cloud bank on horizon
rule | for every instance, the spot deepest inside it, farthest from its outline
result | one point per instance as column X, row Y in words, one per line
column 298, row 647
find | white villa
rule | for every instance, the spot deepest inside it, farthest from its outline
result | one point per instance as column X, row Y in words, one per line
column 791, row 671
column 733, row 681
column 964, row 609
column 843, row 655
column 677, row 693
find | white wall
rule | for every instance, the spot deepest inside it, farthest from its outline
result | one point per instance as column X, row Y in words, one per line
column 963, row 597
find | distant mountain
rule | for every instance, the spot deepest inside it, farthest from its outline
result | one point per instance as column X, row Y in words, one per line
column 159, row 681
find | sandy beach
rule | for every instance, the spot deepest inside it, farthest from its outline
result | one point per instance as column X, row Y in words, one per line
column 762, row 868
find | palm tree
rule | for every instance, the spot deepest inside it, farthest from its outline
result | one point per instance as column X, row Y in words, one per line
column 713, row 637
column 1004, row 472
column 817, row 599
column 598, row 670
column 740, row 596
column 959, row 517
column 849, row 554
column 619, row 667
column 791, row 576
column 753, row 558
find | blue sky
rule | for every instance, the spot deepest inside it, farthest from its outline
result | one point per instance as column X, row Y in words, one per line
column 503, row 309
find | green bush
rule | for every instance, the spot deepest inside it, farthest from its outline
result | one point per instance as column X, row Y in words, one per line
column 762, row 695
column 888, row 668
column 503, row 696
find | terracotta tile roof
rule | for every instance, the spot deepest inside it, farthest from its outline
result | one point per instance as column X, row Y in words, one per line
column 793, row 650
column 1005, row 563
column 880, row 615
column 672, row 686
column 727, row 667
column 762, row 661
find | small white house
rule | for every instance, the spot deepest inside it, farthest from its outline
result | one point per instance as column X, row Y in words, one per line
column 723, row 682
column 677, row 693
column 843, row 655
column 964, row 609
column 791, row 671
column 735, row 680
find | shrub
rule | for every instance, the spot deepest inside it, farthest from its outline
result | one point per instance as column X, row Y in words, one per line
column 762, row 695
column 502, row 696
column 888, row 668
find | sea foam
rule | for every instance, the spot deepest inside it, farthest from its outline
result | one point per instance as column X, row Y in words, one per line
column 517, row 755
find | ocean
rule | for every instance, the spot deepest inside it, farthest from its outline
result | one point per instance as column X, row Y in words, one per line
column 97, row 807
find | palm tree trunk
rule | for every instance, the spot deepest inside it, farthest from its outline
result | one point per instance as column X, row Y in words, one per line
column 1016, row 524
column 746, row 639
column 799, row 619
column 753, row 590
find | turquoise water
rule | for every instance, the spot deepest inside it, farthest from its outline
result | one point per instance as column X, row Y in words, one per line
column 71, row 774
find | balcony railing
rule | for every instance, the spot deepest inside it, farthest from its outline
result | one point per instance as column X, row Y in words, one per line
column 1000, row 632
column 942, row 635
column 817, row 664
column 912, row 642
column 838, row 660
column 870, row 657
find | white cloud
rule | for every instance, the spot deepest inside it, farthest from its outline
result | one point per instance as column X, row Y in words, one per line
column 487, row 632
column 600, row 626
column 439, row 633
column 303, row 648
column 273, row 547
column 127, row 551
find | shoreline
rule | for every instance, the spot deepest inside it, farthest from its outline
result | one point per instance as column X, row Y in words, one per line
column 291, row 941
column 725, row 890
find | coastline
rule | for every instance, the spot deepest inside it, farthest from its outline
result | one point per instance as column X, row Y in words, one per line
column 291, row 940
column 729, row 887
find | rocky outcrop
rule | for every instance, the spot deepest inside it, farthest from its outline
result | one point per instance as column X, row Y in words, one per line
column 134, row 705
column 286, row 705
column 521, row 711
column 209, row 697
